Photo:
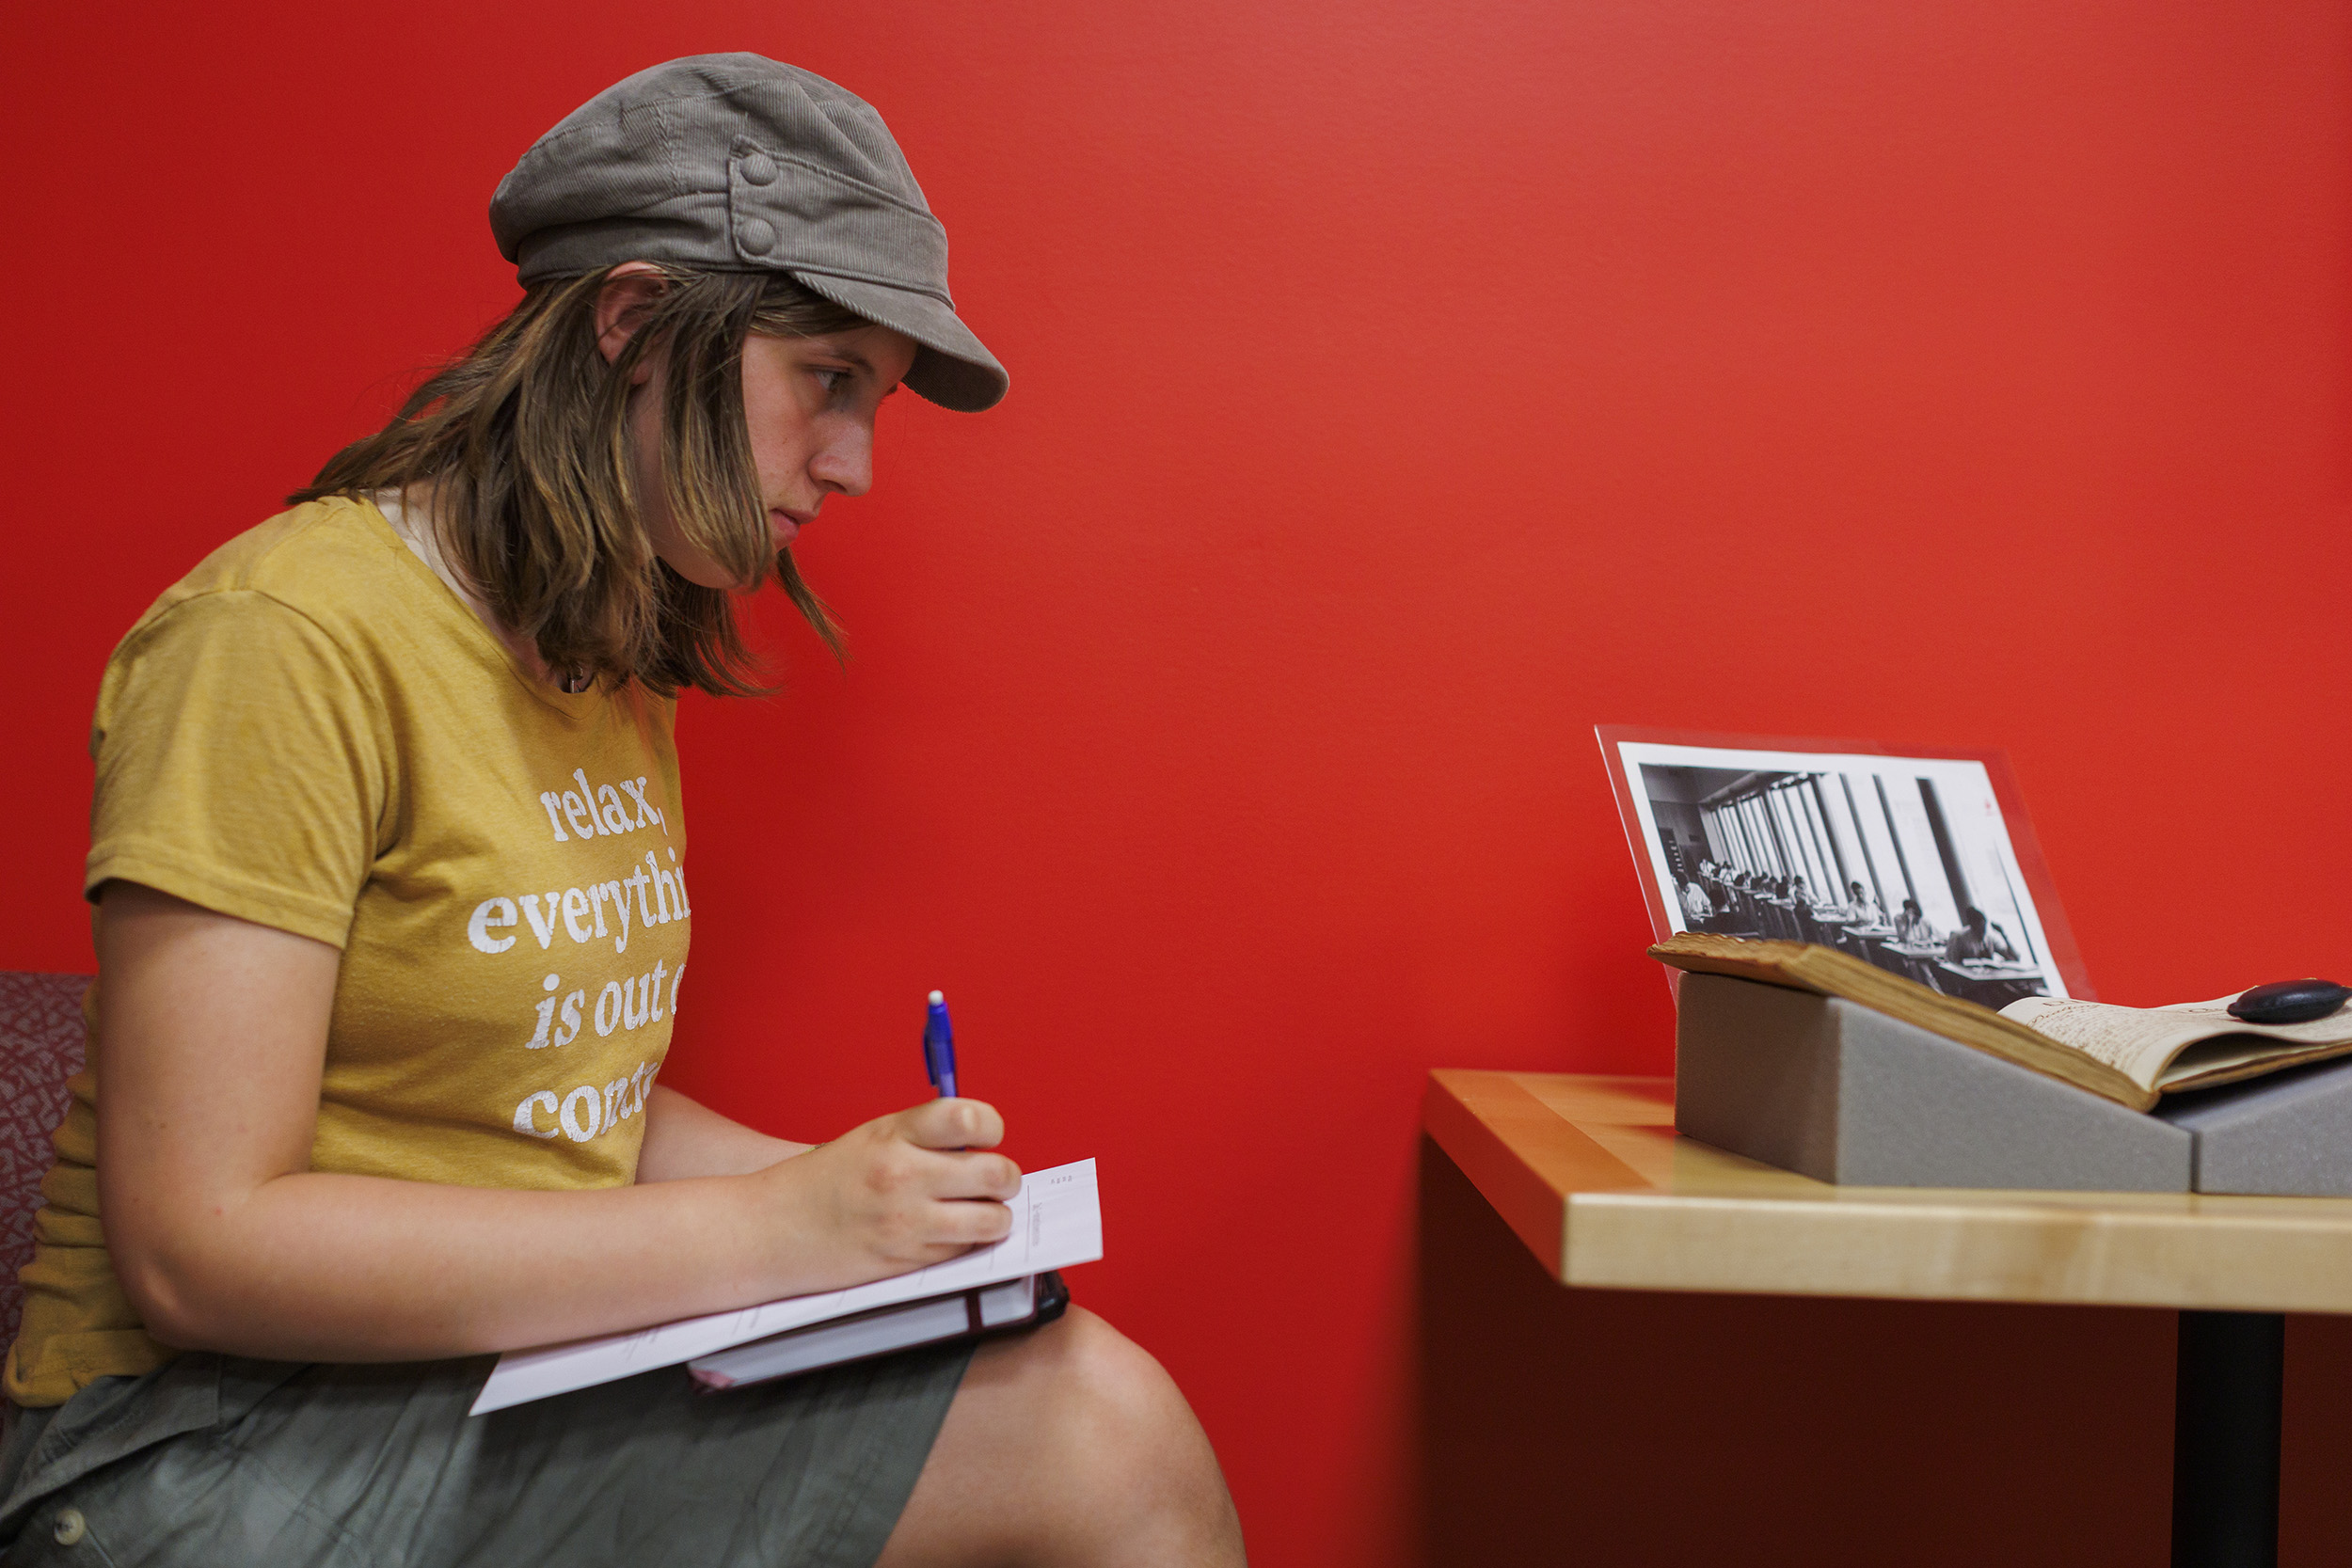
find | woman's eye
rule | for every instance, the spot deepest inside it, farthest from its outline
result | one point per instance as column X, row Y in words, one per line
column 829, row 378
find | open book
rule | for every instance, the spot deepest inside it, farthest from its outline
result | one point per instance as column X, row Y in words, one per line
column 2132, row 1055
column 1057, row 1223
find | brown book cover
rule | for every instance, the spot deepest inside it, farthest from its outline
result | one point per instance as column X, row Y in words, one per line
column 2131, row 1055
column 1826, row 971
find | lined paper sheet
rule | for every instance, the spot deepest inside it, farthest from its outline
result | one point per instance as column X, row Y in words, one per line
column 1056, row 1224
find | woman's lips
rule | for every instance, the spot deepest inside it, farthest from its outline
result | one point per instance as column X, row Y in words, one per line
column 783, row 527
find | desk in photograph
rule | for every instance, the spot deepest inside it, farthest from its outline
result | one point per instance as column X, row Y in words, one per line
column 1591, row 1174
column 1991, row 984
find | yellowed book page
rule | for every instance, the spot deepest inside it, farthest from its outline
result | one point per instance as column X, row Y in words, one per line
column 2162, row 1048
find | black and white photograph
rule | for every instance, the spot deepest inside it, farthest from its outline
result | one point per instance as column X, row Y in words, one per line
column 1905, row 863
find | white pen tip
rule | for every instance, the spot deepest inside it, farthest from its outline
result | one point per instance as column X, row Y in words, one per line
column 937, row 998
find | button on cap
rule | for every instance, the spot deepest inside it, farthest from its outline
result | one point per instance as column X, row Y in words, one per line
column 759, row 169
column 70, row 1527
column 757, row 234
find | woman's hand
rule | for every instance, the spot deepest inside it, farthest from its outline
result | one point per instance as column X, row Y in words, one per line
column 902, row 1191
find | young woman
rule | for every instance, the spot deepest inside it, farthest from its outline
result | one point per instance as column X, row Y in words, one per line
column 1911, row 926
column 390, row 872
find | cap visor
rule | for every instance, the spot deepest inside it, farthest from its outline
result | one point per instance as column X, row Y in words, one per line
column 953, row 369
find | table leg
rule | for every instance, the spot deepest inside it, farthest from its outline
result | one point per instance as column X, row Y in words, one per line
column 2225, row 1440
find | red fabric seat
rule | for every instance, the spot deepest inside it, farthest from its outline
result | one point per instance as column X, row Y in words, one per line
column 42, row 1045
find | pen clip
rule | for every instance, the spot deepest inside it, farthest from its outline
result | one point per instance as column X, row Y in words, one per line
column 939, row 1049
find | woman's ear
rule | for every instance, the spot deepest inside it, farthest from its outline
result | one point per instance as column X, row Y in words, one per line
column 628, row 291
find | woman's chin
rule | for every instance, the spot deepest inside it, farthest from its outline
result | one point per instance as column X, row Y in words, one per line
column 700, row 570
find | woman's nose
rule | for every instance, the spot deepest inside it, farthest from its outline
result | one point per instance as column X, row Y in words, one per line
column 846, row 463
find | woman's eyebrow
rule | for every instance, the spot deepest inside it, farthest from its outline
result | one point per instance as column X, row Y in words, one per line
column 859, row 361
column 850, row 354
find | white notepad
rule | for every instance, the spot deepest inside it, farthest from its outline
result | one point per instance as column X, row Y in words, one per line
column 1056, row 1224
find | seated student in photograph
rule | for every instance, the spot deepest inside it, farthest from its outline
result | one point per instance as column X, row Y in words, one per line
column 1696, row 905
column 1977, row 939
column 1861, row 907
column 1911, row 927
column 376, row 1103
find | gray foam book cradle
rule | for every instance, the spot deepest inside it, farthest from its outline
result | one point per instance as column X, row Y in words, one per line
column 1834, row 1090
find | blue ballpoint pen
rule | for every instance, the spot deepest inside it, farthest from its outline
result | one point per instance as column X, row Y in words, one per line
column 939, row 1048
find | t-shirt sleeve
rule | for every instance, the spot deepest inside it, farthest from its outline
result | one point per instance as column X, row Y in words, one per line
column 240, row 766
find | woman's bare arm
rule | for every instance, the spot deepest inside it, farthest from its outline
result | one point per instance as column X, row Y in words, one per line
column 685, row 1138
column 211, row 1039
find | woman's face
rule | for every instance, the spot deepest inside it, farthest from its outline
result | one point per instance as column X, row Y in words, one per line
column 810, row 404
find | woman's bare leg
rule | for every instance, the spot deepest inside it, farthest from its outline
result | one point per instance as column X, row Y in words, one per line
column 1067, row 1447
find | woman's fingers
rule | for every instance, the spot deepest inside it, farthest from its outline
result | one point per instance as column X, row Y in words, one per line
column 955, row 1174
column 917, row 1187
column 965, row 1225
column 952, row 1124
column 967, row 1187
column 982, row 1176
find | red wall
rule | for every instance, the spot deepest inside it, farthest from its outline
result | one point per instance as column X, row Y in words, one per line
column 1399, row 390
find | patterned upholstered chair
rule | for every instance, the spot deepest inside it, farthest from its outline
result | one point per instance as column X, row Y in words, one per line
column 42, row 1045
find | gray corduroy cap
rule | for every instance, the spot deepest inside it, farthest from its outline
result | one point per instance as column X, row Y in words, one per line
column 737, row 163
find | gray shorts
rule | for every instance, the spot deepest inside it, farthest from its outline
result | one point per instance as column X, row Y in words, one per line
column 215, row 1459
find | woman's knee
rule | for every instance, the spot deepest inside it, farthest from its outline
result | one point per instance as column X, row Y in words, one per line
column 1095, row 1378
column 1110, row 1409
column 1069, row 1444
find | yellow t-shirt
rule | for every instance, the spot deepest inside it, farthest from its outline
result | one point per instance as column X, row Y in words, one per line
column 312, row 732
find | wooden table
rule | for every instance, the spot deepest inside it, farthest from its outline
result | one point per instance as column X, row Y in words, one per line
column 1591, row 1176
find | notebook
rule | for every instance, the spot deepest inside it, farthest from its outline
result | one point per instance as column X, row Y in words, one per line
column 1024, row 1303
column 1056, row 1224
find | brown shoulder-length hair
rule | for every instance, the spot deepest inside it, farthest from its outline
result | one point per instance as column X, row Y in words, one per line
column 525, row 441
